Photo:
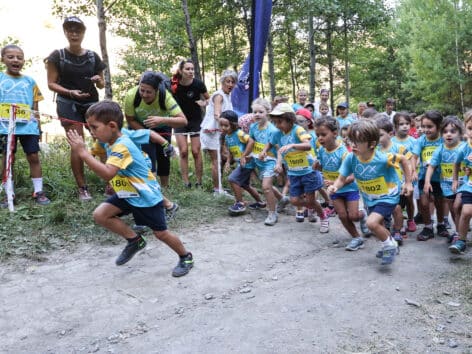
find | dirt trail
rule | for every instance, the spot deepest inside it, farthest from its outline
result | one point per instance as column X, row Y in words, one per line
column 258, row 289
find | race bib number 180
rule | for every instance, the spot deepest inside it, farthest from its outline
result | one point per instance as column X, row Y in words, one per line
column 123, row 187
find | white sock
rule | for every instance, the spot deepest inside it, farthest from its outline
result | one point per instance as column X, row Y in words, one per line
column 37, row 184
column 388, row 242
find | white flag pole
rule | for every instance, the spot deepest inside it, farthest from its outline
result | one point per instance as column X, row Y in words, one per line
column 9, row 158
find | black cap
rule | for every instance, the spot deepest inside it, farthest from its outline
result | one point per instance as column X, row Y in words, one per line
column 73, row 20
column 230, row 115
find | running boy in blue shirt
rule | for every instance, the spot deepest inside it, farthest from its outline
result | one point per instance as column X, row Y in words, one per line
column 377, row 179
column 137, row 190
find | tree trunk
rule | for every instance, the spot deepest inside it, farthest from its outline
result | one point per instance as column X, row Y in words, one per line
column 312, row 48
column 329, row 45
column 346, row 61
column 102, row 30
column 290, row 60
column 191, row 40
column 270, row 56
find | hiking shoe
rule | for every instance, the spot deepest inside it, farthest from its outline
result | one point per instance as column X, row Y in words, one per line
column 84, row 195
column 441, row 229
column 130, row 250
column 271, row 219
column 398, row 237
column 388, row 254
column 458, row 247
column 300, row 216
column 355, row 244
column 172, row 211
column 257, row 205
column 410, row 225
column 311, row 215
column 453, row 238
column 363, row 223
column 237, row 208
column 418, row 219
column 425, row 234
column 41, row 199
column 184, row 265
column 282, row 204
column 329, row 211
column 324, row 227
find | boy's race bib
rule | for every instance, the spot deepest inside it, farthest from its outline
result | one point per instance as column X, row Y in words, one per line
column 330, row 175
column 235, row 151
column 123, row 187
column 23, row 112
column 427, row 154
column 375, row 188
column 297, row 160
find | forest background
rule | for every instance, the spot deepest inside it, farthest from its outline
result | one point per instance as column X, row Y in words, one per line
column 416, row 51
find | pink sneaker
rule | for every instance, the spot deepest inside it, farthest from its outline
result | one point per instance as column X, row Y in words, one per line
column 330, row 212
column 410, row 225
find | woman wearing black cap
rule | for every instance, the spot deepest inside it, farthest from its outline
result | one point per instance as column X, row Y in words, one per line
column 75, row 73
column 151, row 106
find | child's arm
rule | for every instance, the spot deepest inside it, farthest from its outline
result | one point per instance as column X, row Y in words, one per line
column 278, row 166
column 339, row 183
column 427, row 180
column 263, row 153
column 38, row 118
column 414, row 163
column 407, row 187
column 455, row 176
column 77, row 144
column 303, row 146
column 247, row 151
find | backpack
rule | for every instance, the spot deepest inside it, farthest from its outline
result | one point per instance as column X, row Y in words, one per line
column 164, row 85
column 62, row 59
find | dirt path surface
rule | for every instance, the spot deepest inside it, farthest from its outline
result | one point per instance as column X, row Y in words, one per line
column 254, row 289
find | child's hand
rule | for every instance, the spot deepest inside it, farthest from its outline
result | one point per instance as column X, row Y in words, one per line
column 278, row 168
column 285, row 148
column 331, row 189
column 242, row 161
column 227, row 167
column 454, row 186
column 414, row 176
column 328, row 183
column 75, row 141
column 262, row 156
column 407, row 189
column 154, row 121
column 427, row 188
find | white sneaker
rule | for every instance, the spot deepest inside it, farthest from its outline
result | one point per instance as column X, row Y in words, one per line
column 222, row 193
column 311, row 216
column 271, row 219
column 324, row 227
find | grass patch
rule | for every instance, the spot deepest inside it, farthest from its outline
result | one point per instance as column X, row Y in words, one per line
column 34, row 230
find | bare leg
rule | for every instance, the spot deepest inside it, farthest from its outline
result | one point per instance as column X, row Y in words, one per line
column 183, row 156
column 197, row 157
column 76, row 162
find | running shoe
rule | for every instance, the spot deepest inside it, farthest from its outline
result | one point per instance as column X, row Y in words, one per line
column 257, row 205
column 442, row 230
column 329, row 211
column 425, row 234
column 388, row 254
column 355, row 244
column 458, row 247
column 453, row 238
column 397, row 236
column 237, row 208
column 271, row 219
column 363, row 223
column 184, row 265
column 84, row 195
column 130, row 250
column 410, row 225
column 311, row 215
column 41, row 199
column 300, row 216
column 282, row 204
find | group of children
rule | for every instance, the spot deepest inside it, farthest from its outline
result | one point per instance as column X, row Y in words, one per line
column 375, row 157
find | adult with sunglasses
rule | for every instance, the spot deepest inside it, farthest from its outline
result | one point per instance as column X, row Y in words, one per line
column 74, row 74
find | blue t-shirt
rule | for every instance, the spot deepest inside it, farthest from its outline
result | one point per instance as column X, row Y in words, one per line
column 376, row 178
column 344, row 121
column 409, row 142
column 464, row 156
column 331, row 162
column 298, row 162
column 22, row 91
column 445, row 158
column 236, row 143
column 424, row 149
column 261, row 137
column 134, row 181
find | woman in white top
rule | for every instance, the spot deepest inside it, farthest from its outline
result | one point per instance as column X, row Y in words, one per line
column 210, row 128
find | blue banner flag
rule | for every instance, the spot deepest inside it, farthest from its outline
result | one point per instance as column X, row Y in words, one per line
column 247, row 87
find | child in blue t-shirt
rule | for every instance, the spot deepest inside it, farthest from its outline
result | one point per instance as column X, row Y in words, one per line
column 240, row 178
column 331, row 154
column 444, row 159
column 136, row 187
column 423, row 152
column 23, row 92
column 295, row 150
column 377, row 178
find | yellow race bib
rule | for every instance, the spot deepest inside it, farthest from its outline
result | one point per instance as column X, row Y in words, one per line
column 235, row 151
column 375, row 187
column 297, row 160
column 23, row 112
column 330, row 175
column 123, row 187
column 427, row 154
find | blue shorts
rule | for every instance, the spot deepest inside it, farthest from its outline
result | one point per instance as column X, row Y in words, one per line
column 30, row 143
column 241, row 176
column 466, row 198
column 308, row 183
column 265, row 168
column 153, row 217
column 347, row 196
column 384, row 209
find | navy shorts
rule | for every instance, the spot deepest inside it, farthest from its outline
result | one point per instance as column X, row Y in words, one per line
column 384, row 209
column 153, row 217
column 241, row 176
column 30, row 143
column 308, row 183
column 437, row 190
column 347, row 196
column 466, row 197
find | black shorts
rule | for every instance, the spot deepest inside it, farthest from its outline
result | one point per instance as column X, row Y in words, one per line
column 437, row 190
column 70, row 111
column 153, row 217
column 193, row 126
column 466, row 198
column 30, row 143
